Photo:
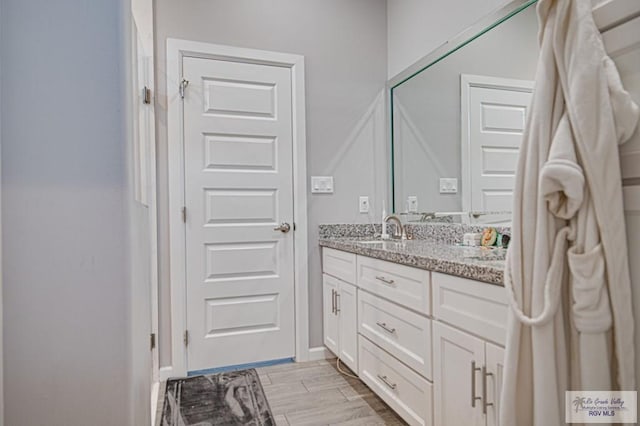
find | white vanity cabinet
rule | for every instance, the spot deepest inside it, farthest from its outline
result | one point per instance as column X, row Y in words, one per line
column 340, row 306
column 467, row 361
column 429, row 344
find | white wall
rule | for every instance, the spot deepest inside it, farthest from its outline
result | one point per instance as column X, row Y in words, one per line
column 65, row 214
column 416, row 27
column 138, row 15
column 344, row 43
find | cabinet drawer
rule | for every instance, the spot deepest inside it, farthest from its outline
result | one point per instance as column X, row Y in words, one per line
column 339, row 264
column 404, row 285
column 477, row 307
column 401, row 388
column 401, row 332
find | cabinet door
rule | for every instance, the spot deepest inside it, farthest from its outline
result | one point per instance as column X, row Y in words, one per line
column 494, row 360
column 457, row 377
column 348, row 320
column 329, row 314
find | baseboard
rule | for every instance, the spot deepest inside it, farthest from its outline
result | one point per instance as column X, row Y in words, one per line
column 239, row 367
column 315, row 354
column 319, row 353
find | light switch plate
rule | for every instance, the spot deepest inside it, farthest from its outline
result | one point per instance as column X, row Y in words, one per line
column 448, row 185
column 412, row 204
column 364, row 204
column 322, row 184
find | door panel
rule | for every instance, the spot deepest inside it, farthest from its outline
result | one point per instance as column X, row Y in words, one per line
column 330, row 324
column 495, row 371
column 238, row 188
column 239, row 153
column 347, row 306
column 239, row 98
column 455, row 355
column 233, row 205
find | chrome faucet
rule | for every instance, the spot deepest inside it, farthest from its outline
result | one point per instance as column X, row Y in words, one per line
column 399, row 231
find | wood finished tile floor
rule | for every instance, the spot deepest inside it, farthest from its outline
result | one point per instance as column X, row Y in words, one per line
column 316, row 393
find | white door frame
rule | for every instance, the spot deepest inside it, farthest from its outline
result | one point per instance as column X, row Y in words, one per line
column 467, row 81
column 176, row 51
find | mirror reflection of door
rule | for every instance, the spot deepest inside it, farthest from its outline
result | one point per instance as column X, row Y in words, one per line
column 427, row 123
column 493, row 117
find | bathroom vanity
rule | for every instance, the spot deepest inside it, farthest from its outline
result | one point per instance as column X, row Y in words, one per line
column 421, row 322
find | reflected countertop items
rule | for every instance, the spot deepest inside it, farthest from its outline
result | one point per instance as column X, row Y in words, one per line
column 477, row 263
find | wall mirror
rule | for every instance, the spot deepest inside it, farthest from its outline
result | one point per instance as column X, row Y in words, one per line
column 457, row 118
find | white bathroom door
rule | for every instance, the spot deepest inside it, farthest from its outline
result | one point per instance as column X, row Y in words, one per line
column 494, row 112
column 238, row 174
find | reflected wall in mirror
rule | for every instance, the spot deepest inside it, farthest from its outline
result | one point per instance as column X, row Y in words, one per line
column 457, row 124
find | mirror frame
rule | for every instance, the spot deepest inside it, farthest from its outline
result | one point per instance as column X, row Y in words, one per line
column 447, row 48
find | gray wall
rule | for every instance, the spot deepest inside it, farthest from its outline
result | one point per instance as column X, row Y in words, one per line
column 416, row 27
column 344, row 43
column 65, row 214
column 430, row 145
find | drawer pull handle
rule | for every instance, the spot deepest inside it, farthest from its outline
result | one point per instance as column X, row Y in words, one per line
column 387, row 382
column 385, row 280
column 473, row 384
column 485, row 404
column 384, row 326
column 337, row 303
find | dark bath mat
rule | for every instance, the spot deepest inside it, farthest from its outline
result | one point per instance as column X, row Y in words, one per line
column 233, row 398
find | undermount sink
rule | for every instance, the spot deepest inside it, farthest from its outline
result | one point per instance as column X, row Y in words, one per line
column 384, row 244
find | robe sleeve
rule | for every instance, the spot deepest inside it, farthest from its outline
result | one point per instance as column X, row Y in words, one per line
column 562, row 180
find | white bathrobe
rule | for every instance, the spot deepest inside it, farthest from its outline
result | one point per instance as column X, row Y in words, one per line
column 567, row 274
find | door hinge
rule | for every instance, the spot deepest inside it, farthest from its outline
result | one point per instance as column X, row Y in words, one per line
column 184, row 214
column 153, row 341
column 186, row 338
column 146, row 95
column 183, row 85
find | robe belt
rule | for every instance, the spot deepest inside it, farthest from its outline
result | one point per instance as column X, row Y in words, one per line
column 552, row 286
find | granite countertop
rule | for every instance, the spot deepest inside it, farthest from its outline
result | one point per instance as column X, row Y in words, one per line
column 477, row 263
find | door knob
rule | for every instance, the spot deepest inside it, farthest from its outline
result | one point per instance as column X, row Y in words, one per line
column 284, row 228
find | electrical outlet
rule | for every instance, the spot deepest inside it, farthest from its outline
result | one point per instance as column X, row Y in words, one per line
column 412, row 204
column 364, row 204
column 448, row 185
